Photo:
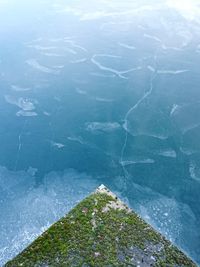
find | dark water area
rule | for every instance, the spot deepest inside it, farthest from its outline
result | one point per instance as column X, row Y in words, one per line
column 99, row 92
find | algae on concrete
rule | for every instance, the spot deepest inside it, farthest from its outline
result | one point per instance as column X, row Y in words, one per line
column 101, row 231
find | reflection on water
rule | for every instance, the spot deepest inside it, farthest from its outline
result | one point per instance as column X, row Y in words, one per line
column 99, row 92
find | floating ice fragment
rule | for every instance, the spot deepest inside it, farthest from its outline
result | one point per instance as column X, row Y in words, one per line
column 58, row 145
column 100, row 99
column 174, row 108
column 119, row 73
column 34, row 209
column 70, row 50
column 19, row 88
column 139, row 161
column 152, row 37
column 58, row 67
column 102, row 126
column 34, row 64
column 151, row 68
column 167, row 153
column 81, row 92
column 24, row 103
column 173, row 72
column 52, row 54
column 81, row 60
column 46, row 113
column 127, row 46
column 32, row 171
column 76, row 139
column 164, row 47
column 97, row 74
column 43, row 48
column 194, row 171
column 26, row 113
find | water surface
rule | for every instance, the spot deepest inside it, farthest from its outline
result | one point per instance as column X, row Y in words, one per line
column 99, row 92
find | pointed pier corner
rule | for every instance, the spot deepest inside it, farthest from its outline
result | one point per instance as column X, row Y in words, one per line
column 101, row 231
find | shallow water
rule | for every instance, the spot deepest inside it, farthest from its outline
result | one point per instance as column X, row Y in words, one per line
column 99, row 92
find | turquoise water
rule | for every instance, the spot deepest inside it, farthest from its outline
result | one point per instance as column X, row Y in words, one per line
column 99, row 92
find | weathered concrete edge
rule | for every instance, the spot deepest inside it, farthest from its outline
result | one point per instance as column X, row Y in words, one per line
column 113, row 203
column 102, row 189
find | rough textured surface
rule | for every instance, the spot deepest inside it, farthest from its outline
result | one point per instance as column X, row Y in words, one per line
column 101, row 231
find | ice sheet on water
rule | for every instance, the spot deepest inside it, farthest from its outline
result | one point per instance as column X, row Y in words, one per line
column 9, row 180
column 95, row 11
column 168, row 216
column 185, row 117
column 141, row 121
column 172, row 218
column 190, row 10
column 30, row 209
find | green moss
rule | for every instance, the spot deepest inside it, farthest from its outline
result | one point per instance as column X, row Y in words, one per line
column 100, row 232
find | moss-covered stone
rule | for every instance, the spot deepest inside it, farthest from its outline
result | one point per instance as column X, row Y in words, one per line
column 101, row 231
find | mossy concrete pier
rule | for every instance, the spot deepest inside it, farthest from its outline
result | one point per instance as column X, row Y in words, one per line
column 101, row 231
